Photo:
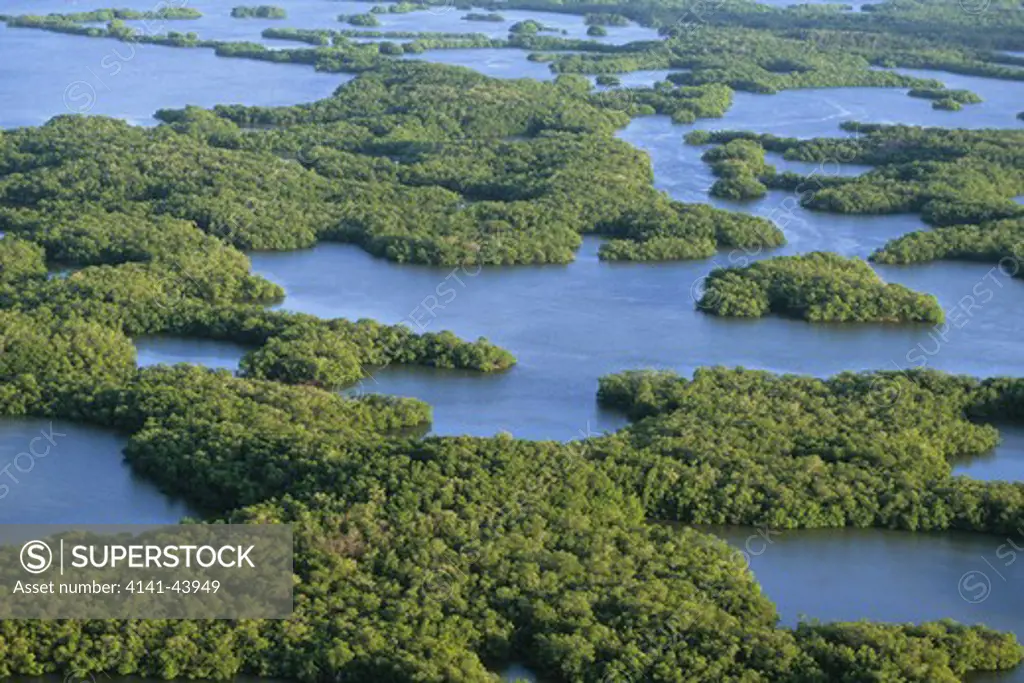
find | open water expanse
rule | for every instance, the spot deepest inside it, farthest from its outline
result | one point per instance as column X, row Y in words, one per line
column 569, row 324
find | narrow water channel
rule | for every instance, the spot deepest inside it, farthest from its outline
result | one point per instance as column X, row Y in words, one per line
column 567, row 324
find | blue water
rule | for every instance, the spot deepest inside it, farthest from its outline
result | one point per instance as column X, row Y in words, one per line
column 1001, row 101
column 81, row 75
column 1004, row 463
column 218, row 24
column 58, row 472
column 495, row 62
column 570, row 324
column 639, row 79
column 206, row 352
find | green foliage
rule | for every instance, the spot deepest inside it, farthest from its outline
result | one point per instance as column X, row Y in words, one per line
column 597, row 31
column 947, row 104
column 939, row 34
column 504, row 548
column 958, row 96
column 259, row 12
column 998, row 242
column 42, row 357
column 315, row 357
column 950, row 177
column 114, row 14
column 747, row 152
column 441, row 165
column 252, row 200
column 358, row 52
column 311, row 36
column 422, row 559
column 153, row 214
column 682, row 231
column 529, row 27
column 739, row 165
column 605, row 19
column 684, row 105
column 871, row 449
column 743, row 59
column 335, row 353
column 911, row 648
column 817, row 287
column 398, row 8
column 20, row 260
column 367, row 19
column 481, row 16
column 657, row 248
column 768, row 48
column 738, row 187
column 72, row 235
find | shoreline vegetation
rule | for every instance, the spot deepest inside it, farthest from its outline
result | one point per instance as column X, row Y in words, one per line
column 961, row 182
column 330, row 467
column 121, row 14
column 816, row 287
column 426, row 558
column 368, row 19
column 796, row 60
column 483, row 16
column 259, row 12
column 506, row 190
column 678, row 421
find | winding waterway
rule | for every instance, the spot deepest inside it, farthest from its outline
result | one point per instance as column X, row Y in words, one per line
column 58, row 472
column 568, row 324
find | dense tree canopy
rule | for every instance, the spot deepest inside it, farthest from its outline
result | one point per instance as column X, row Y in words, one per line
column 818, row 287
column 739, row 165
column 998, row 242
column 735, row 446
column 433, row 559
column 426, row 559
column 483, row 16
column 258, row 12
column 439, row 165
column 113, row 14
column 967, row 179
column 366, row 19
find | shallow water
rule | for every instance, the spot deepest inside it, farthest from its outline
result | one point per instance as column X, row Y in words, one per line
column 1004, row 463
column 1001, row 100
column 810, row 168
column 494, row 62
column 446, row 18
column 679, row 171
column 852, row 574
column 218, row 24
column 570, row 324
column 849, row 574
column 517, row 672
column 207, row 352
column 637, row 79
column 58, row 472
column 817, row 112
column 81, row 75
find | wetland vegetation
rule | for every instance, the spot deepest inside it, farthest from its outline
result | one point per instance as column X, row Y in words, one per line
column 431, row 559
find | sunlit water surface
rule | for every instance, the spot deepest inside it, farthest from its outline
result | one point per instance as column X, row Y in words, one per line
column 568, row 324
